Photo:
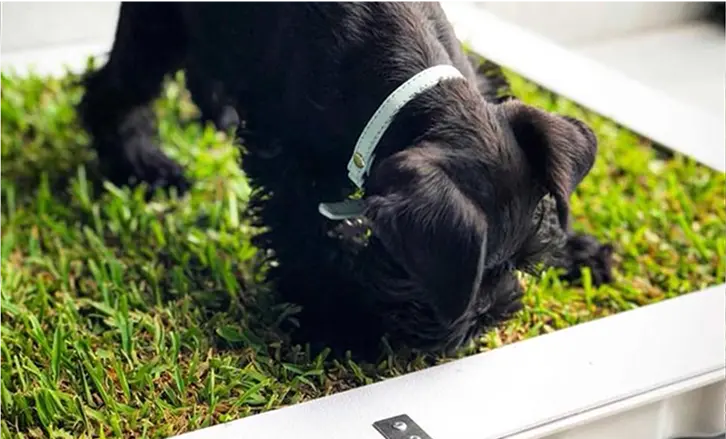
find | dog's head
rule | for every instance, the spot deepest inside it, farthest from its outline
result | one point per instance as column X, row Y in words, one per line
column 457, row 218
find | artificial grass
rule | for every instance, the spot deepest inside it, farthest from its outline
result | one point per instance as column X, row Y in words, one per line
column 122, row 317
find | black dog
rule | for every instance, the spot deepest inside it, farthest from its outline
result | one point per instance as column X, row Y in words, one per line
column 465, row 188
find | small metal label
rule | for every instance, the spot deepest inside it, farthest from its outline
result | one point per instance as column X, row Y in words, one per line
column 400, row 427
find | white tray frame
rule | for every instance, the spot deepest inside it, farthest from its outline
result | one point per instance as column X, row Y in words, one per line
column 535, row 388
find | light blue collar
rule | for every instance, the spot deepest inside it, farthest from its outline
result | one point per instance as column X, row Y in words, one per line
column 364, row 151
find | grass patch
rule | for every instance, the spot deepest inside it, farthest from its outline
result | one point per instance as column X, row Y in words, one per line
column 127, row 318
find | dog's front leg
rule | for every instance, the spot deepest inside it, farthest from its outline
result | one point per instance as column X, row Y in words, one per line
column 115, row 109
column 574, row 251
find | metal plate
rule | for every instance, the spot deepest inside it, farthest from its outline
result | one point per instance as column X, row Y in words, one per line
column 400, row 427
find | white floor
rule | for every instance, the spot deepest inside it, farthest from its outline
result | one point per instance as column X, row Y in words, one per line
column 681, row 59
column 685, row 61
column 52, row 60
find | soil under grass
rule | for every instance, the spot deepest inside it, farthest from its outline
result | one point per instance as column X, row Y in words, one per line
column 127, row 318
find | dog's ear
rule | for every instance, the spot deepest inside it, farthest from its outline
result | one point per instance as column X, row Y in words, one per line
column 560, row 150
column 430, row 228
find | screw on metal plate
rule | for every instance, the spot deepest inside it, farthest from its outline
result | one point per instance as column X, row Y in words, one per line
column 400, row 427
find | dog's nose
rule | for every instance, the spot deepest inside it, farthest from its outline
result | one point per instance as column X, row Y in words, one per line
column 228, row 118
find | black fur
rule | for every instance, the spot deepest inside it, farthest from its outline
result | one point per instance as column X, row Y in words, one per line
column 716, row 13
column 468, row 185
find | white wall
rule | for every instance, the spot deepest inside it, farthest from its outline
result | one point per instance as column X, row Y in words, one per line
column 35, row 25
column 573, row 23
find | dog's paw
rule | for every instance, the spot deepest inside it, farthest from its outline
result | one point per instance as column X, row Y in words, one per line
column 143, row 162
column 585, row 251
column 159, row 172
